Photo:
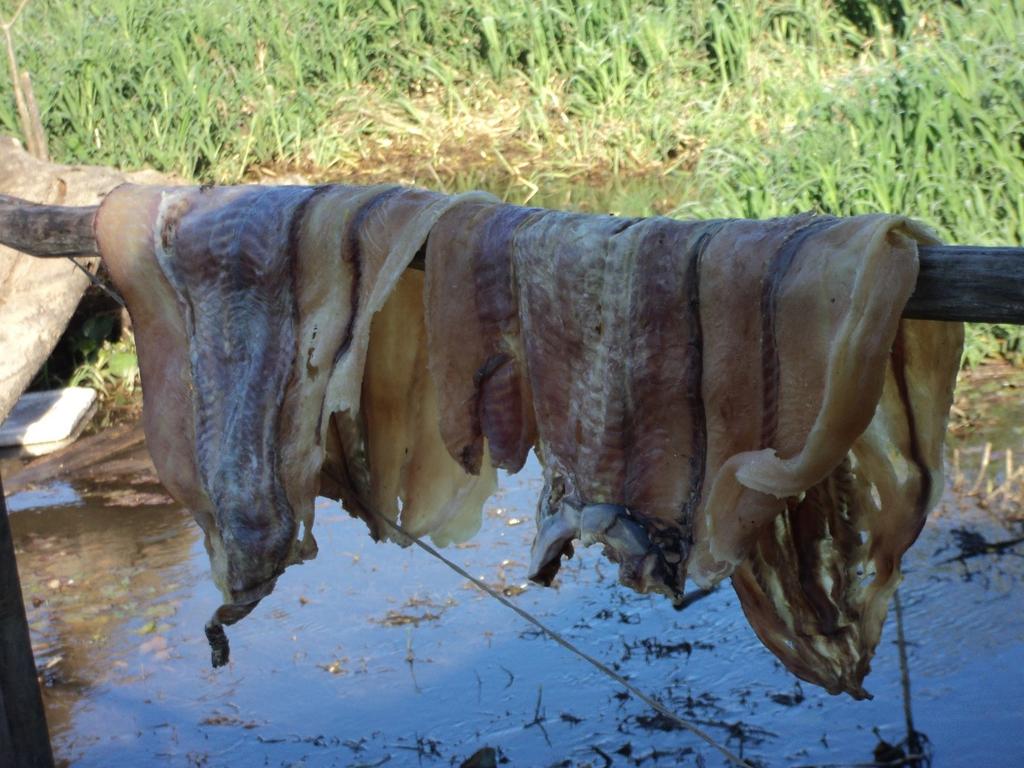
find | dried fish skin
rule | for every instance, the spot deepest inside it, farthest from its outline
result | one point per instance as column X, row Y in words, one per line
column 253, row 308
column 613, row 345
column 385, row 451
column 412, row 476
column 735, row 384
column 208, row 277
column 854, row 412
column 323, row 283
column 538, row 318
column 817, row 589
column 474, row 337
column 136, row 230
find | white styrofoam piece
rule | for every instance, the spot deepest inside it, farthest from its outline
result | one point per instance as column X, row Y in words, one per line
column 52, row 416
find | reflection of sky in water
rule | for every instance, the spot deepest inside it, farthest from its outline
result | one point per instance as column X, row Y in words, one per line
column 54, row 495
column 321, row 674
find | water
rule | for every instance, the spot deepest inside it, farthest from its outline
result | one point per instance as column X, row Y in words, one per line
column 374, row 655
column 672, row 193
column 636, row 196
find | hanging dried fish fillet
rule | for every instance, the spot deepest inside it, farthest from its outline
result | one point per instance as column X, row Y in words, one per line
column 476, row 349
column 408, row 464
column 709, row 398
column 384, row 451
column 854, row 412
column 614, row 353
column 253, row 309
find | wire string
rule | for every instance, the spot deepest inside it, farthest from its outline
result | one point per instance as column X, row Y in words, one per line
column 99, row 283
column 647, row 699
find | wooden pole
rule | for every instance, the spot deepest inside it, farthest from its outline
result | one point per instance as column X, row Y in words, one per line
column 24, row 738
column 968, row 283
column 960, row 283
column 47, row 230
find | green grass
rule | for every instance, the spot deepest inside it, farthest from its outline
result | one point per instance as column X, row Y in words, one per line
column 697, row 107
column 211, row 89
column 932, row 126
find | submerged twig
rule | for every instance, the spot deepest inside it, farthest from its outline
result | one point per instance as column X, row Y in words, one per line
column 692, row 597
column 410, row 659
column 986, row 456
column 538, row 716
column 913, row 740
column 608, row 762
column 511, row 677
column 899, row 763
column 973, row 544
column 377, row 764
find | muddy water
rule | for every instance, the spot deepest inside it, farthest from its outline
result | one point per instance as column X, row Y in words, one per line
column 374, row 655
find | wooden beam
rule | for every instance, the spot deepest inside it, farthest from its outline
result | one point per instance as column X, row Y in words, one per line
column 47, row 231
column 24, row 738
column 969, row 283
column 962, row 283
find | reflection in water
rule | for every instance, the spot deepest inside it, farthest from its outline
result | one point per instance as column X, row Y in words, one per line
column 100, row 584
column 648, row 195
column 372, row 653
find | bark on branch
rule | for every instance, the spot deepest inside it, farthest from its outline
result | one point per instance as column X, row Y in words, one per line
column 47, row 230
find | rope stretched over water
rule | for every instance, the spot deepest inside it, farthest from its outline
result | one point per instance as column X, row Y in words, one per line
column 652, row 702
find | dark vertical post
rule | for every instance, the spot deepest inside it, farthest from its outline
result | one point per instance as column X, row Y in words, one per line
column 24, row 739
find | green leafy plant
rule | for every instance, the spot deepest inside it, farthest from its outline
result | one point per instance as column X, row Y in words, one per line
column 109, row 366
column 986, row 342
column 112, row 368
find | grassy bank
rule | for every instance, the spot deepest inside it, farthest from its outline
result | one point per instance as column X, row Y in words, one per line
column 747, row 108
